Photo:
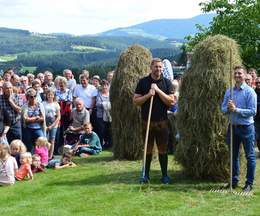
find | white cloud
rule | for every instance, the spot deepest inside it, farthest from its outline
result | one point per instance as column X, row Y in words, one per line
column 89, row 16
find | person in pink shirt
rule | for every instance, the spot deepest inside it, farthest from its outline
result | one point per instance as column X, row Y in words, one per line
column 42, row 149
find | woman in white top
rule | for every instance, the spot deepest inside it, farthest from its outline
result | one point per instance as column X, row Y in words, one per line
column 52, row 116
column 103, row 120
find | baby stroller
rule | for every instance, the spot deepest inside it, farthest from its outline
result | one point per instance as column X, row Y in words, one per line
column 70, row 139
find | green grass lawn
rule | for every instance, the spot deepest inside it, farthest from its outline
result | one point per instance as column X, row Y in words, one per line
column 100, row 185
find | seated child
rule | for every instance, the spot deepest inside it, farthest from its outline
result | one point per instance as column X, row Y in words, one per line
column 64, row 162
column 89, row 143
column 8, row 166
column 36, row 164
column 42, row 147
column 25, row 168
column 17, row 148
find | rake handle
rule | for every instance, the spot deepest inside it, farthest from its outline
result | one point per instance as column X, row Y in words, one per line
column 147, row 133
column 231, row 124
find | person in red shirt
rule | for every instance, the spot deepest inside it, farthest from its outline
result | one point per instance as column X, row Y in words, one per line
column 253, row 73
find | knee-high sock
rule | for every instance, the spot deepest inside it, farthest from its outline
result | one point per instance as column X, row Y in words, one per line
column 163, row 159
column 148, row 164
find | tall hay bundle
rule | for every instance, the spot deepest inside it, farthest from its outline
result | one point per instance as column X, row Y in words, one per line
column 133, row 64
column 202, row 149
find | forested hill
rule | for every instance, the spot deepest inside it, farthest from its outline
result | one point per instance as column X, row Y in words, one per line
column 30, row 51
column 14, row 41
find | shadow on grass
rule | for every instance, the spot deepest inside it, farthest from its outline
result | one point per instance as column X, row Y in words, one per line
column 179, row 181
column 105, row 156
column 93, row 159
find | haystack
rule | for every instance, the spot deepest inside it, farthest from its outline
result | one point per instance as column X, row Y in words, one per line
column 202, row 149
column 133, row 64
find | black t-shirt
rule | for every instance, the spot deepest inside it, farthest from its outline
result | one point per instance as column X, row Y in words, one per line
column 159, row 109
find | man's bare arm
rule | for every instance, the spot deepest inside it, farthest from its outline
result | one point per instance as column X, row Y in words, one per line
column 168, row 100
column 139, row 100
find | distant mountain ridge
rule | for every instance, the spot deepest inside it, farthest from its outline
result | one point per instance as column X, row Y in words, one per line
column 164, row 38
column 24, row 49
column 163, row 28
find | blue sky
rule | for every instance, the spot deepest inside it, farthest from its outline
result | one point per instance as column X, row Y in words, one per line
column 89, row 16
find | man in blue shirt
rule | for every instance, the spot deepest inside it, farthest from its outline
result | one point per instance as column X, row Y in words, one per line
column 242, row 108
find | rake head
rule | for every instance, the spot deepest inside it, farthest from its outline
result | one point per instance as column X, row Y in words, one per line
column 224, row 191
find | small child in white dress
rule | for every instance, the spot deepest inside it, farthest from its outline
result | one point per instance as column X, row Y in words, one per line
column 8, row 166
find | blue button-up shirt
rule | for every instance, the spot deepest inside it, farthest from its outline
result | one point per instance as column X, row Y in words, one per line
column 245, row 100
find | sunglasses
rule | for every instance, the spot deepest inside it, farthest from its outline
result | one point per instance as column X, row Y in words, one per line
column 32, row 96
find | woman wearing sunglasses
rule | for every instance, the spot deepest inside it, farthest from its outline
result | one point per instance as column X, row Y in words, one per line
column 33, row 119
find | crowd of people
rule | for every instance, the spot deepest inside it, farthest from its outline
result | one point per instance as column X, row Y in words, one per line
column 41, row 117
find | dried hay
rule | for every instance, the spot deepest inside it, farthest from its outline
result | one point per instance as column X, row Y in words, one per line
column 134, row 63
column 202, row 149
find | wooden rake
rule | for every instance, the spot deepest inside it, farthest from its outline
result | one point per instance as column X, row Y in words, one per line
column 147, row 136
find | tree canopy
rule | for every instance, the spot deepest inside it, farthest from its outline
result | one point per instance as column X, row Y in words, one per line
column 238, row 19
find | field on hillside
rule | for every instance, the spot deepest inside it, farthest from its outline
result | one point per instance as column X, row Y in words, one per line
column 100, row 185
column 88, row 48
column 6, row 58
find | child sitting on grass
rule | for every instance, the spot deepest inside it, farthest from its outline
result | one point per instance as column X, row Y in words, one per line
column 89, row 143
column 36, row 164
column 25, row 168
column 42, row 147
column 64, row 162
column 8, row 166
column 17, row 148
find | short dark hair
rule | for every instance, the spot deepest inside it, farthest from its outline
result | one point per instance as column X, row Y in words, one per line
column 87, row 124
column 252, row 69
column 8, row 71
column 35, row 82
column 83, row 76
column 240, row 67
column 155, row 60
column 67, row 155
column 104, row 82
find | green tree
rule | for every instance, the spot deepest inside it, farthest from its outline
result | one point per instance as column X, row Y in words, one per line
column 238, row 19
